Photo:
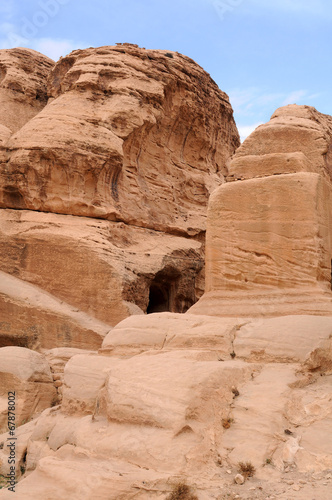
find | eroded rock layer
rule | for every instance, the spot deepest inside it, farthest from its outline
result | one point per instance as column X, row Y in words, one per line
column 175, row 399
column 23, row 88
column 138, row 137
column 128, row 134
column 269, row 237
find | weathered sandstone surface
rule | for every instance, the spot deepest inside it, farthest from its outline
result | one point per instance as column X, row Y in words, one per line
column 129, row 135
column 269, row 235
column 26, row 375
column 155, row 409
column 103, row 269
column 138, row 137
column 131, row 411
column 23, row 88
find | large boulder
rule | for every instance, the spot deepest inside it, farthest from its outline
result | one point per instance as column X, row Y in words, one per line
column 27, row 375
column 268, row 246
column 129, row 134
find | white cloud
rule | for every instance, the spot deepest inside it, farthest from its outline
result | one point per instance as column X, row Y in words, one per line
column 255, row 102
column 27, row 32
column 255, row 106
column 295, row 97
column 54, row 48
column 246, row 130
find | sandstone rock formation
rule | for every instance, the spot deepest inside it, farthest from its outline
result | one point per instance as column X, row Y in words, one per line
column 25, row 374
column 137, row 137
column 139, row 418
column 23, row 88
column 269, row 237
column 32, row 318
column 128, row 134
column 166, row 398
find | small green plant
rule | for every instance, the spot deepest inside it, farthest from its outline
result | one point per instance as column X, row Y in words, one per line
column 268, row 461
column 182, row 492
column 233, row 354
column 246, row 469
column 168, row 54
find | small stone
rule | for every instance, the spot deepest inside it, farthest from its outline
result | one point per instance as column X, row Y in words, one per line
column 329, row 476
column 252, row 488
column 58, row 383
column 302, row 481
column 296, row 488
column 239, row 479
column 229, row 471
column 290, row 482
column 286, row 469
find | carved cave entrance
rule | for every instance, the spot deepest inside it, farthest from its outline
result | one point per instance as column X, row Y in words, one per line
column 163, row 290
column 159, row 299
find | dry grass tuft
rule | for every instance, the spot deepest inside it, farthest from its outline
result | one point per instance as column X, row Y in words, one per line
column 246, row 469
column 227, row 422
column 182, row 492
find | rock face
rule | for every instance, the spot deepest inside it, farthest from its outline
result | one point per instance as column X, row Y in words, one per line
column 154, row 401
column 23, row 88
column 32, row 318
column 138, row 137
column 128, row 134
column 216, row 398
column 104, row 269
column 26, row 376
column 269, row 237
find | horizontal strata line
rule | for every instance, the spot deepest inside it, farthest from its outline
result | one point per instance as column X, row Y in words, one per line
column 171, row 232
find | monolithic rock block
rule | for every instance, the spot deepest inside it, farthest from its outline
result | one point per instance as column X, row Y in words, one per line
column 73, row 474
column 84, row 376
column 27, row 374
column 247, row 167
column 128, row 134
column 289, row 339
column 269, row 247
column 171, row 391
column 167, row 331
column 296, row 138
column 271, row 232
column 23, row 86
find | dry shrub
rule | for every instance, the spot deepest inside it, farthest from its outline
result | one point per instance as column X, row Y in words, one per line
column 182, row 492
column 226, row 422
column 246, row 469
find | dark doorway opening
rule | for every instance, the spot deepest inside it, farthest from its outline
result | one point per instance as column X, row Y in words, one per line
column 163, row 290
column 159, row 299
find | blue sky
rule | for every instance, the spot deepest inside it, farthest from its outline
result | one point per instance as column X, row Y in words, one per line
column 263, row 53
